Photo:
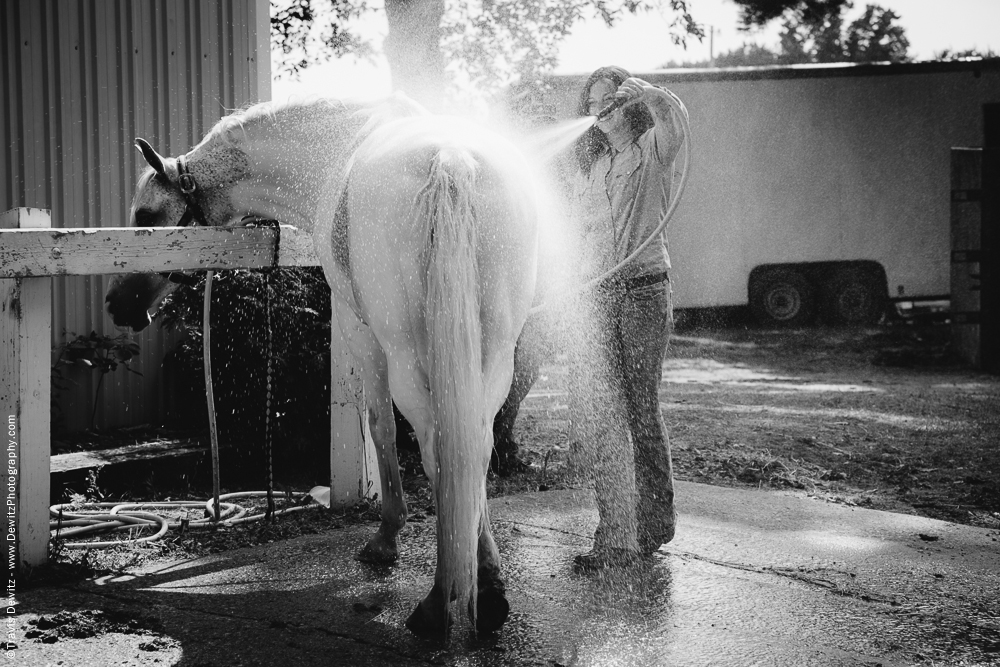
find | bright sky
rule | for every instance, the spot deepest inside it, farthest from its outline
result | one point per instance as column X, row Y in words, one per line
column 642, row 43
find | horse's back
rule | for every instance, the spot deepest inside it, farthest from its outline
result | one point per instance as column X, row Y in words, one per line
column 389, row 244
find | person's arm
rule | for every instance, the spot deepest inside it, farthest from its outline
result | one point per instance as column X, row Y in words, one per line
column 666, row 109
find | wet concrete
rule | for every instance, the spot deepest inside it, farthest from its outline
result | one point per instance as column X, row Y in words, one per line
column 752, row 578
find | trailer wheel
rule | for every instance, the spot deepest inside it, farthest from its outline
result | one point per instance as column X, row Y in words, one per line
column 854, row 297
column 784, row 297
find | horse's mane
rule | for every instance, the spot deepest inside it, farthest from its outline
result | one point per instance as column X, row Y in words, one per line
column 271, row 116
column 295, row 115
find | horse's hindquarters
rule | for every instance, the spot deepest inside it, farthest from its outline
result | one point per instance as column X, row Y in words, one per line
column 441, row 249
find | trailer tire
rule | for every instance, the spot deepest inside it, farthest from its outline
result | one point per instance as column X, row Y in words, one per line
column 854, row 298
column 782, row 297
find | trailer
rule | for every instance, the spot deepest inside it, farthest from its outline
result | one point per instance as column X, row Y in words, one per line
column 817, row 190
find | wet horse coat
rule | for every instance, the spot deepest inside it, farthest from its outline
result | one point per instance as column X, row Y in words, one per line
column 425, row 228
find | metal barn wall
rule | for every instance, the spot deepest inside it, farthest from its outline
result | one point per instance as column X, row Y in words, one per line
column 80, row 79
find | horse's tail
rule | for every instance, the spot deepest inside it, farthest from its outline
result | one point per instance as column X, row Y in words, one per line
column 455, row 363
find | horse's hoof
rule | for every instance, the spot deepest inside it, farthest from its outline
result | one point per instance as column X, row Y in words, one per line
column 422, row 624
column 377, row 553
column 492, row 610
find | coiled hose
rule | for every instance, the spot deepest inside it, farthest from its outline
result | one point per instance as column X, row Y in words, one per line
column 71, row 521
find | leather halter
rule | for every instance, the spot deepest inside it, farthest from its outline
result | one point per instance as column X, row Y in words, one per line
column 187, row 185
column 192, row 212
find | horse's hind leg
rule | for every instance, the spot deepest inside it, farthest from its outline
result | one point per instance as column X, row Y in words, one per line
column 432, row 616
column 492, row 607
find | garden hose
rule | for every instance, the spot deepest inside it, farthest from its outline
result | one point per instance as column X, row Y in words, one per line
column 70, row 520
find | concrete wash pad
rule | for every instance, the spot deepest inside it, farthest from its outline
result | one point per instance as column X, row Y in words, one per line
column 752, row 578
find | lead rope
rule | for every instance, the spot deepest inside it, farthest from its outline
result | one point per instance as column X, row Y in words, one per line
column 268, row 435
column 206, row 343
column 206, row 340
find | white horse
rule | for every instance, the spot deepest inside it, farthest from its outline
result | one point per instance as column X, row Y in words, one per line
column 426, row 230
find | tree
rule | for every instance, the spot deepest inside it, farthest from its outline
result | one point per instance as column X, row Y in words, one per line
column 487, row 42
column 966, row 54
column 497, row 41
column 413, row 48
column 757, row 13
column 814, row 32
column 748, row 55
column 307, row 33
column 874, row 38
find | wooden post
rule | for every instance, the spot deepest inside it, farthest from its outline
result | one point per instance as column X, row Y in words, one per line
column 353, row 467
column 966, row 254
column 25, row 360
column 990, row 225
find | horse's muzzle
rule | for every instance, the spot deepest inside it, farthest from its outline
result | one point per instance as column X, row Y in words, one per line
column 134, row 318
column 130, row 297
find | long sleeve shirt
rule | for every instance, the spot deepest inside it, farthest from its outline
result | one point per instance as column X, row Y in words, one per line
column 625, row 196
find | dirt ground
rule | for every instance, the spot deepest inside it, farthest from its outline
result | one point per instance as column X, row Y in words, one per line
column 883, row 418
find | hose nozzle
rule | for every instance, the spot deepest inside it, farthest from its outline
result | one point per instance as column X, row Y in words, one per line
column 608, row 110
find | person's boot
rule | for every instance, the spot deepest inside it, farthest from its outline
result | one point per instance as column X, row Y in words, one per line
column 604, row 558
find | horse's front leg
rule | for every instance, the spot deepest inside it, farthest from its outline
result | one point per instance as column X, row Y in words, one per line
column 382, row 547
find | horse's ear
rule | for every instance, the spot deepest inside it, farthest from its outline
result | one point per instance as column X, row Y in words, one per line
column 153, row 158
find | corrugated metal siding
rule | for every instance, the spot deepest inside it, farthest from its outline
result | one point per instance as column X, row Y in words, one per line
column 80, row 81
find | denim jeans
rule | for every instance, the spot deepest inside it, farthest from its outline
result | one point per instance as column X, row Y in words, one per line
column 625, row 441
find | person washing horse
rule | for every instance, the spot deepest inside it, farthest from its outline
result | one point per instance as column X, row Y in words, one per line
column 621, row 191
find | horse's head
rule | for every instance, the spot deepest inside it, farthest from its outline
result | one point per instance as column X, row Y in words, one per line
column 269, row 162
column 192, row 189
column 159, row 200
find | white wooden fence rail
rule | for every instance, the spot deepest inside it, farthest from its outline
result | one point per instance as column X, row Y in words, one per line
column 31, row 252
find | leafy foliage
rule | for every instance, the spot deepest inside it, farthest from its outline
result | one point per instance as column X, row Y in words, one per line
column 966, row 54
column 492, row 42
column 814, row 32
column 300, row 303
column 748, row 55
column 101, row 353
column 310, row 32
column 874, row 38
column 813, row 36
column 755, row 13
column 487, row 42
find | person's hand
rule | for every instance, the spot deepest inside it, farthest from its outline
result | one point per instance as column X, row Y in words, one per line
column 635, row 90
column 632, row 90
